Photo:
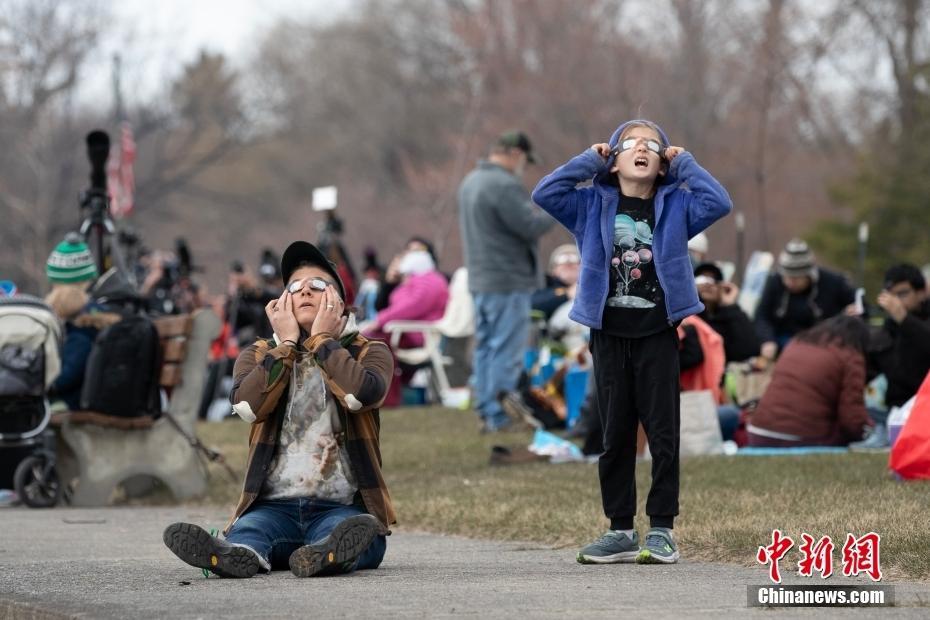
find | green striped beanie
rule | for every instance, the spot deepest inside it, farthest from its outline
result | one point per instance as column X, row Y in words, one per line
column 71, row 261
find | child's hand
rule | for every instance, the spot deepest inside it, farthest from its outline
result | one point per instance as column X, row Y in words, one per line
column 671, row 152
column 602, row 149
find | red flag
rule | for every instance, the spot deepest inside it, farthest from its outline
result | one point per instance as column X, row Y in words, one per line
column 120, row 176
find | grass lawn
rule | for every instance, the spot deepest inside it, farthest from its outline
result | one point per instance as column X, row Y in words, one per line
column 437, row 469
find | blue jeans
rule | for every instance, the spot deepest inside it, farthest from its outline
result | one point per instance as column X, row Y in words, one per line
column 879, row 416
column 728, row 416
column 502, row 329
column 275, row 528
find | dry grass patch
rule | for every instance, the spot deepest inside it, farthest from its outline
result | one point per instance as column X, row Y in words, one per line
column 437, row 469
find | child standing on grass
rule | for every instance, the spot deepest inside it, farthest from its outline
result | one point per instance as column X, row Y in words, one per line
column 632, row 228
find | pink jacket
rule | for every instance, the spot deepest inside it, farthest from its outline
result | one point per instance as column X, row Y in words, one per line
column 420, row 297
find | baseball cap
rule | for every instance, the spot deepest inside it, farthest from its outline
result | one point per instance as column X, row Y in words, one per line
column 518, row 140
column 303, row 251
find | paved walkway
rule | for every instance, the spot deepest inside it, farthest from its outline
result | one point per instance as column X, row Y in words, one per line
column 110, row 563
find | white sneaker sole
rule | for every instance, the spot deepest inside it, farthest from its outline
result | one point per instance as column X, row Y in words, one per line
column 623, row 557
column 645, row 557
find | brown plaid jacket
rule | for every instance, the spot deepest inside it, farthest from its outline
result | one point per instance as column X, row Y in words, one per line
column 357, row 371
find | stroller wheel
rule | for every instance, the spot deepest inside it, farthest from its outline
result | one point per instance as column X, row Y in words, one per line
column 36, row 482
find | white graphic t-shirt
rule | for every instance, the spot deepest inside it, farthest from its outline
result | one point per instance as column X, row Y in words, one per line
column 309, row 461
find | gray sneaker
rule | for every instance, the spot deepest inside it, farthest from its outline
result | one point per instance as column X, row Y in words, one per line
column 611, row 548
column 660, row 548
column 875, row 440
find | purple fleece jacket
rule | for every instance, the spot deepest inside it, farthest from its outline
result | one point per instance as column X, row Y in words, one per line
column 688, row 200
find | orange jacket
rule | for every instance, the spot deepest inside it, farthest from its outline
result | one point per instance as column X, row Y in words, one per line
column 708, row 374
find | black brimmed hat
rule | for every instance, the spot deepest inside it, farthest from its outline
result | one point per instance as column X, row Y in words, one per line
column 303, row 251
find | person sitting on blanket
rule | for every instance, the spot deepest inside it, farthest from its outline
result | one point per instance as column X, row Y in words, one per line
column 816, row 397
column 314, row 498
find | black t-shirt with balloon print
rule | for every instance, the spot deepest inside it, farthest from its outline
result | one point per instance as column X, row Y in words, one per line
column 635, row 300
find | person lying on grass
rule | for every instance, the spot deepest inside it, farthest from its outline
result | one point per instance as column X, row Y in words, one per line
column 314, row 498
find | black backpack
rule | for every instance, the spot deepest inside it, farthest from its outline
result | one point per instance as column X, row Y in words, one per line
column 121, row 378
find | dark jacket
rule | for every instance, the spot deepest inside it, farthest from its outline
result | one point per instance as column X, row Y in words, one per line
column 690, row 353
column 902, row 353
column 816, row 393
column 500, row 227
column 80, row 334
column 547, row 300
column 739, row 335
column 248, row 312
column 780, row 314
column 688, row 200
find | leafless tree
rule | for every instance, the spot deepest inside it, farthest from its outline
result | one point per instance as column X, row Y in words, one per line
column 44, row 47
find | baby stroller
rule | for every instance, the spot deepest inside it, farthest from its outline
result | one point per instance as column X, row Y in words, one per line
column 30, row 337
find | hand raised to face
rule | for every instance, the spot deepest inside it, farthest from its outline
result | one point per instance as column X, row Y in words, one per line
column 280, row 313
column 329, row 317
column 602, row 149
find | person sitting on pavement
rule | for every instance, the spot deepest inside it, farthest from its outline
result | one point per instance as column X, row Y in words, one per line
column 816, row 397
column 901, row 350
column 71, row 270
column 724, row 315
column 314, row 497
column 798, row 296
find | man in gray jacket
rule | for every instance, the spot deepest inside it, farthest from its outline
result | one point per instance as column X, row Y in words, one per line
column 500, row 227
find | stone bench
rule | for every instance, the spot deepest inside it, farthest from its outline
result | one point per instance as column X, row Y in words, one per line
column 97, row 453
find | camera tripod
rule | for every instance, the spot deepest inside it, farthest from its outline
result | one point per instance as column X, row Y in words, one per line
column 99, row 233
column 97, row 226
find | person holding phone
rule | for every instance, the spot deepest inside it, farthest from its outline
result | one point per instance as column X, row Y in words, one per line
column 636, row 285
column 314, row 498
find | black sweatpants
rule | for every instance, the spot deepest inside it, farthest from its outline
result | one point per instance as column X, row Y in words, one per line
column 637, row 380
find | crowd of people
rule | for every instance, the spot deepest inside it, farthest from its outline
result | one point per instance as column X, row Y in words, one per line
column 634, row 301
column 798, row 297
